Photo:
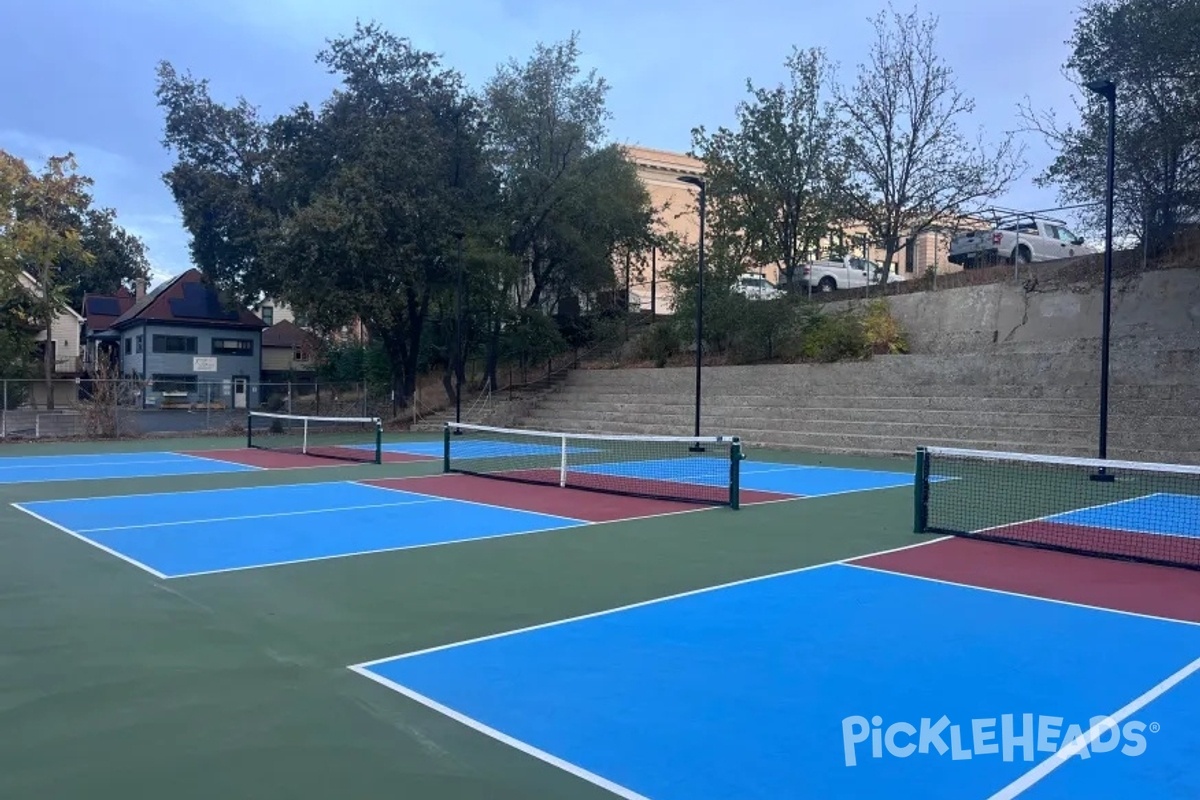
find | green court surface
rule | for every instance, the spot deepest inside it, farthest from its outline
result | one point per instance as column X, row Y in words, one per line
column 116, row 684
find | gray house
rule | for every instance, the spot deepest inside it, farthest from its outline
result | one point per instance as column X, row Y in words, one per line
column 189, row 348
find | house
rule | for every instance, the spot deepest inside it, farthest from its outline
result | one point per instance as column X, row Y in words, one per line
column 64, row 333
column 288, row 353
column 190, row 348
column 99, row 314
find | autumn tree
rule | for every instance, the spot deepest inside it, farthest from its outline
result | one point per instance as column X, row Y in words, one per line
column 911, row 164
column 1148, row 48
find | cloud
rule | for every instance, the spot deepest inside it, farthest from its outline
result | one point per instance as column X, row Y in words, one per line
column 95, row 162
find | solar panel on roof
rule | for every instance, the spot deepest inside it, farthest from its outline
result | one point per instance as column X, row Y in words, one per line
column 104, row 306
column 201, row 302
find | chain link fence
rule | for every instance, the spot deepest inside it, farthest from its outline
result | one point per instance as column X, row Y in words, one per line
column 93, row 409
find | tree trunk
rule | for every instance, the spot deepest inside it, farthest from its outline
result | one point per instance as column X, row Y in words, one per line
column 48, row 364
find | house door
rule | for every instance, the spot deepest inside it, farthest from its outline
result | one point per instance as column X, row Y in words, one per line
column 239, row 392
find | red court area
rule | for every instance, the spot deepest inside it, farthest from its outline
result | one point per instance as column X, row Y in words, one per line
column 277, row 459
column 1169, row 592
column 582, row 504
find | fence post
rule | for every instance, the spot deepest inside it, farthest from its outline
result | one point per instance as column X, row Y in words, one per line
column 289, row 397
column 4, row 410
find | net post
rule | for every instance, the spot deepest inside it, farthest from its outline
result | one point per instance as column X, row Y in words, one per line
column 921, row 492
column 562, row 464
column 304, row 438
column 378, row 441
column 735, row 471
column 446, row 448
column 249, row 429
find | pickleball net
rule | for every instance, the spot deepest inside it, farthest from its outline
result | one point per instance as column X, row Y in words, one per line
column 702, row 470
column 341, row 438
column 1116, row 509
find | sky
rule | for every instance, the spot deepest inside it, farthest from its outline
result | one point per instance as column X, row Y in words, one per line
column 80, row 73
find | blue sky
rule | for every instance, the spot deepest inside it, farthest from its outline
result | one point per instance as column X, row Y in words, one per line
column 80, row 73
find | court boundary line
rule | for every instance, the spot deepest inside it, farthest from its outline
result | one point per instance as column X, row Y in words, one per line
column 1056, row 519
column 396, row 549
column 503, row 738
column 1029, row 779
column 205, row 521
column 97, row 545
column 189, row 454
column 481, row 503
column 1023, row 595
column 199, row 491
column 641, row 603
column 363, row 669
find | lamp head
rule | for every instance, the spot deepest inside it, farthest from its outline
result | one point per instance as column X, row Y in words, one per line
column 694, row 180
column 1104, row 87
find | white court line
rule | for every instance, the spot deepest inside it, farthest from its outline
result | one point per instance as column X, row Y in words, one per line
column 205, row 521
column 1093, row 733
column 1056, row 601
column 516, row 744
column 478, row 503
column 1061, row 518
column 221, row 461
column 203, row 491
column 375, row 551
column 82, row 464
column 97, row 545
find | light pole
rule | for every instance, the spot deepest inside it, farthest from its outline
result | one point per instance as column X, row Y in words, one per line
column 699, row 183
column 1108, row 90
column 458, row 325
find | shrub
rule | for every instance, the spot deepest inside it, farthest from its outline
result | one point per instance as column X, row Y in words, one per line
column 659, row 344
column 882, row 331
column 834, row 337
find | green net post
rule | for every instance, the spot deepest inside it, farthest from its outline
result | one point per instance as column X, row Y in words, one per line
column 735, row 471
column 379, row 442
column 249, row 430
column 921, row 492
column 446, row 448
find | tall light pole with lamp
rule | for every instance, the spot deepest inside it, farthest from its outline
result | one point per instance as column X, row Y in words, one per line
column 1107, row 89
column 699, row 183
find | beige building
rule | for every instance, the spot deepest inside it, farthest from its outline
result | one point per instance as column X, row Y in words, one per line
column 676, row 207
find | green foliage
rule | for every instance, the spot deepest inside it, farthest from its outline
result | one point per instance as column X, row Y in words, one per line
column 115, row 258
column 532, row 337
column 774, row 182
column 1148, row 48
column 659, row 344
column 882, row 330
column 837, row 336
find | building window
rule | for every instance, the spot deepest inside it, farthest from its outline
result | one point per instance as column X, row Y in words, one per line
column 138, row 344
column 174, row 344
column 128, row 346
column 233, row 347
column 175, row 383
column 268, row 315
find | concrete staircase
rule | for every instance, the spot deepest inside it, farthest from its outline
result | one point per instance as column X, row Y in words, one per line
column 1026, row 398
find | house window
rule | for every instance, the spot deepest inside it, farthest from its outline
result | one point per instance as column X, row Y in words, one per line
column 174, row 344
column 138, row 344
column 233, row 347
column 268, row 315
column 175, row 383
column 128, row 346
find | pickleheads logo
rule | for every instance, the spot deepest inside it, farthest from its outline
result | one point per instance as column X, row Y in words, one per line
column 1010, row 737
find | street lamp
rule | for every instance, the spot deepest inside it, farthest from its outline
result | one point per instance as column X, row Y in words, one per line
column 458, row 325
column 1107, row 89
column 699, row 183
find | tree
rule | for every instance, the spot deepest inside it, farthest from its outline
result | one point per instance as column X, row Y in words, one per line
column 911, row 164
column 570, row 201
column 1158, row 119
column 349, row 210
column 775, row 181
column 116, row 257
column 41, row 226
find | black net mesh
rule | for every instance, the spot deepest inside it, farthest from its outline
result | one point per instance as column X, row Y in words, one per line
column 1117, row 509
column 696, row 470
column 342, row 438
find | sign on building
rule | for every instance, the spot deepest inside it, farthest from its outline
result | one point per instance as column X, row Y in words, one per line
column 204, row 364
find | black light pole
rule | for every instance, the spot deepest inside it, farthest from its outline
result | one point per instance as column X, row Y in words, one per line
column 458, row 325
column 1108, row 90
column 699, row 183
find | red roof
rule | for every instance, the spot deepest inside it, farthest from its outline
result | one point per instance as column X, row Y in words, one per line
column 286, row 334
column 188, row 299
column 102, row 310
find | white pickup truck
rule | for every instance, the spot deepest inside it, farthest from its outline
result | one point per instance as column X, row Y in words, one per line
column 1022, row 242
column 847, row 272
